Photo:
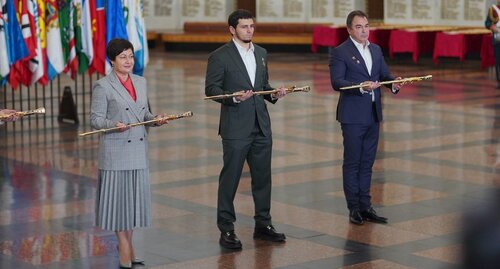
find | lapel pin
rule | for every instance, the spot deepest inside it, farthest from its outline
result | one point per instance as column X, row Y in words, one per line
column 263, row 62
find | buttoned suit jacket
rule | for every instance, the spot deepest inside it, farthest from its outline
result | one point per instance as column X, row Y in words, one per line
column 111, row 103
column 226, row 74
column 348, row 68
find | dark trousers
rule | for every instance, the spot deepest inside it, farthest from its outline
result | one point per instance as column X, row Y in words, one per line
column 360, row 149
column 256, row 149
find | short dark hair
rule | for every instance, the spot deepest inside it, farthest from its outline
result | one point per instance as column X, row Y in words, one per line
column 238, row 14
column 117, row 46
column 353, row 14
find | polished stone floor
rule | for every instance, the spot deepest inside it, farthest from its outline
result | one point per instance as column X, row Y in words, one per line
column 439, row 155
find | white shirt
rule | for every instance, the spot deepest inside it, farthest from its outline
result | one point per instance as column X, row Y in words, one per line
column 367, row 58
column 365, row 54
column 248, row 57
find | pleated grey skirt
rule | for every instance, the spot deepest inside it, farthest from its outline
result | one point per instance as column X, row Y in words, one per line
column 123, row 200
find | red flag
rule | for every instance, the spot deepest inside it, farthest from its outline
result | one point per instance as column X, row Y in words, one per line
column 98, row 17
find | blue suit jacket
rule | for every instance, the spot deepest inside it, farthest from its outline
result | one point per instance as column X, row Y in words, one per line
column 347, row 68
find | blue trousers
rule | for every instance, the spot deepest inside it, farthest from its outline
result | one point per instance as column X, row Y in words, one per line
column 360, row 148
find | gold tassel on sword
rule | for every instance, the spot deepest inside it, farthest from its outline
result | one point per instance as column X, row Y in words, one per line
column 40, row 110
column 169, row 117
column 236, row 94
column 402, row 81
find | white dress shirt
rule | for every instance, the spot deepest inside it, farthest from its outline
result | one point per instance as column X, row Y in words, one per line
column 248, row 57
column 367, row 58
column 365, row 54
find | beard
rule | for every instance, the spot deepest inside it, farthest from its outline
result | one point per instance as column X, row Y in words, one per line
column 243, row 39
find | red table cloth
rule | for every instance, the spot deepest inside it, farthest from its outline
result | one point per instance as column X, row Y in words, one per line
column 328, row 36
column 449, row 44
column 415, row 42
column 380, row 37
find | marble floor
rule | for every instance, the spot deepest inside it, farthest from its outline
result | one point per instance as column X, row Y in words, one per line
column 439, row 155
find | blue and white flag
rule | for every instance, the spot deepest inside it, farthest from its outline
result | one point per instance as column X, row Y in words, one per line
column 55, row 56
column 15, row 41
column 137, row 33
column 115, row 23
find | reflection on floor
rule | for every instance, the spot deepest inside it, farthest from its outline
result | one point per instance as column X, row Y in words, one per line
column 439, row 154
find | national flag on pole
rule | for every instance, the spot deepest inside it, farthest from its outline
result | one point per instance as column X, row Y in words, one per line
column 83, row 34
column 72, row 61
column 143, row 37
column 66, row 28
column 31, row 69
column 21, row 71
column 15, row 42
column 98, row 17
column 66, row 13
column 76, row 14
column 86, row 53
column 115, row 21
column 37, row 63
column 55, row 56
column 136, row 32
column 44, row 79
column 4, row 54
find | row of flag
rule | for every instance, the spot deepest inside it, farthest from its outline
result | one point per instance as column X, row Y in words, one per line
column 40, row 39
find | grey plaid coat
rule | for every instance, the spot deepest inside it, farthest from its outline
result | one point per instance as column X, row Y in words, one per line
column 111, row 103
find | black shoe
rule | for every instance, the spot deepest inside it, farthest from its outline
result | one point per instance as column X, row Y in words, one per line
column 229, row 240
column 371, row 215
column 355, row 217
column 268, row 233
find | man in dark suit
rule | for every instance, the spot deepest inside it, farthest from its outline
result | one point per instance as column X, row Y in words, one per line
column 241, row 66
column 359, row 111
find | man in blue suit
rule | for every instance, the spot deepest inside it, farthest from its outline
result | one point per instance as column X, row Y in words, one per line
column 359, row 111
